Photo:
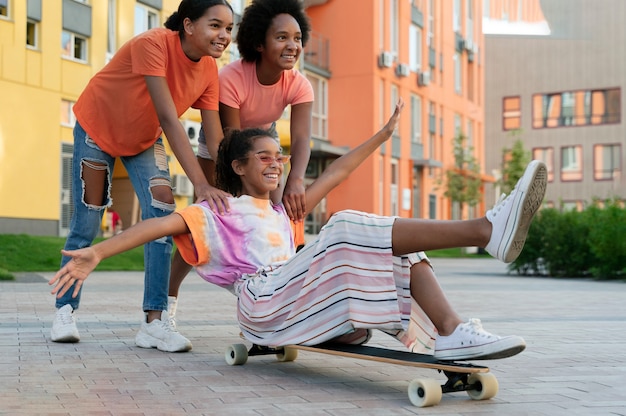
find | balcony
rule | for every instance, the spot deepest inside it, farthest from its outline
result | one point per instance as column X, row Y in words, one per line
column 317, row 55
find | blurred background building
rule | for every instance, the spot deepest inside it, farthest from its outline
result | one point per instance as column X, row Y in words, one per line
column 556, row 71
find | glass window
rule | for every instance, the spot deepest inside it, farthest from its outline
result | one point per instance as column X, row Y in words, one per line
column 416, row 118
column 457, row 73
column 319, row 117
column 32, row 34
column 73, row 46
column 146, row 18
column 394, row 35
column 512, row 113
column 67, row 113
column 546, row 155
column 607, row 162
column 571, row 163
column 4, row 8
column 415, row 48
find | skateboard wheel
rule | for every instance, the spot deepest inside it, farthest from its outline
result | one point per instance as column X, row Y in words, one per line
column 287, row 354
column 486, row 386
column 425, row 392
column 236, row 354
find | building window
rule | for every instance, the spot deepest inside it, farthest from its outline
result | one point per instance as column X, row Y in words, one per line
column 319, row 119
column 4, row 8
column 73, row 46
column 546, row 155
column 415, row 48
column 394, row 32
column 416, row 119
column 146, row 18
column 432, row 207
column 381, row 185
column 607, row 162
column 512, row 113
column 32, row 34
column 577, row 108
column 67, row 113
column 456, row 16
column 457, row 73
column 571, row 163
column 393, row 197
column 430, row 40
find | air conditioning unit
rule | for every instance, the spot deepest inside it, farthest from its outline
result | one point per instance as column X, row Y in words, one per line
column 192, row 128
column 469, row 45
column 385, row 60
column 423, row 79
column 402, row 70
column 182, row 186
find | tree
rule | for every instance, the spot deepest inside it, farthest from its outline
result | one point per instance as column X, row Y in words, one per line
column 463, row 181
column 514, row 161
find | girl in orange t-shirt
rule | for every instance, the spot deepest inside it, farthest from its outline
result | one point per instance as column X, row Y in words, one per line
column 140, row 94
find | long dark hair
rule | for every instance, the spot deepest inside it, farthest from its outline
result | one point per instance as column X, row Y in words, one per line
column 235, row 146
column 193, row 9
column 257, row 19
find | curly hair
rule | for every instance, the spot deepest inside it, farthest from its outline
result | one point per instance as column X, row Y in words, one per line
column 257, row 19
column 193, row 9
column 235, row 146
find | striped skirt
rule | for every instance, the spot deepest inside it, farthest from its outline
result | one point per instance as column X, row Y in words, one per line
column 347, row 278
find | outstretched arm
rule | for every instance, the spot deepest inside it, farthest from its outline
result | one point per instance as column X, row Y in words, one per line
column 339, row 170
column 85, row 260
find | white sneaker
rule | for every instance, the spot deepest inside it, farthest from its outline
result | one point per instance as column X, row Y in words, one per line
column 470, row 341
column 64, row 326
column 172, row 303
column 512, row 215
column 162, row 335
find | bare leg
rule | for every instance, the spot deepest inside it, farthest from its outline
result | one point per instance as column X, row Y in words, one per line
column 179, row 271
column 410, row 235
column 427, row 292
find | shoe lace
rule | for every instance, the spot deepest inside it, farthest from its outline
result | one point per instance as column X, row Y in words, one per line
column 477, row 328
column 66, row 318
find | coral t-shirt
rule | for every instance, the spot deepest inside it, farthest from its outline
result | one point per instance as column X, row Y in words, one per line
column 115, row 108
column 260, row 105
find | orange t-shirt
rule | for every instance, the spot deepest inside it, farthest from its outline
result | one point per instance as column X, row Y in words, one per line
column 115, row 108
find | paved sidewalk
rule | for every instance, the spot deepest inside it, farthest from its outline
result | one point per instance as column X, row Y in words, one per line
column 575, row 362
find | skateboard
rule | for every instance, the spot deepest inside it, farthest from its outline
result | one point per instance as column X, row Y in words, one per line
column 476, row 380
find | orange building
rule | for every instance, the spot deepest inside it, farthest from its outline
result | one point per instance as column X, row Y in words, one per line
column 429, row 53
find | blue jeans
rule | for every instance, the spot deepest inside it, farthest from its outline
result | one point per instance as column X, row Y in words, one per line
column 145, row 170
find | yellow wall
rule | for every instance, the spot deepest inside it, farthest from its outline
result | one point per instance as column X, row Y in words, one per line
column 32, row 85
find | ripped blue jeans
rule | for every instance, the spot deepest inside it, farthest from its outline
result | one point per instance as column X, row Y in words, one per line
column 145, row 170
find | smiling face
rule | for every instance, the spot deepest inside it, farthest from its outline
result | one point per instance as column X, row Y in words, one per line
column 283, row 43
column 210, row 34
column 260, row 171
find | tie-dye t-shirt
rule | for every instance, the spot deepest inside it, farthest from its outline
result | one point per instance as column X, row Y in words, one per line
column 255, row 234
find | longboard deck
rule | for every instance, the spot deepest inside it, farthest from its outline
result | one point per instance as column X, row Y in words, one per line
column 392, row 357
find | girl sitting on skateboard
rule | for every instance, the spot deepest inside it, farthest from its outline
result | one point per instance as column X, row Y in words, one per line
column 357, row 274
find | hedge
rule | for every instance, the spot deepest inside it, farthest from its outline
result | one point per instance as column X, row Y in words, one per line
column 588, row 243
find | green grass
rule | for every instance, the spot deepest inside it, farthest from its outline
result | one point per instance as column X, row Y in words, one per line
column 26, row 253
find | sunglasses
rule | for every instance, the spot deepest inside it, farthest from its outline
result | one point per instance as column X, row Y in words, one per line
column 268, row 159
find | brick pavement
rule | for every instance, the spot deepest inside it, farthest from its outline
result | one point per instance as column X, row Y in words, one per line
column 574, row 364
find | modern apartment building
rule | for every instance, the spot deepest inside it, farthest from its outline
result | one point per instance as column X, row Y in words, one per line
column 556, row 74
column 428, row 52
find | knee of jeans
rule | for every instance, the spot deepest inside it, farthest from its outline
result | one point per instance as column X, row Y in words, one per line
column 162, row 196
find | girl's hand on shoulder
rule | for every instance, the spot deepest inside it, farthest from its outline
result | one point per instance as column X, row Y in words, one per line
column 294, row 200
column 75, row 271
column 216, row 198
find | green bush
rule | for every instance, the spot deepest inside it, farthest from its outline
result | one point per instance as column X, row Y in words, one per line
column 576, row 244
